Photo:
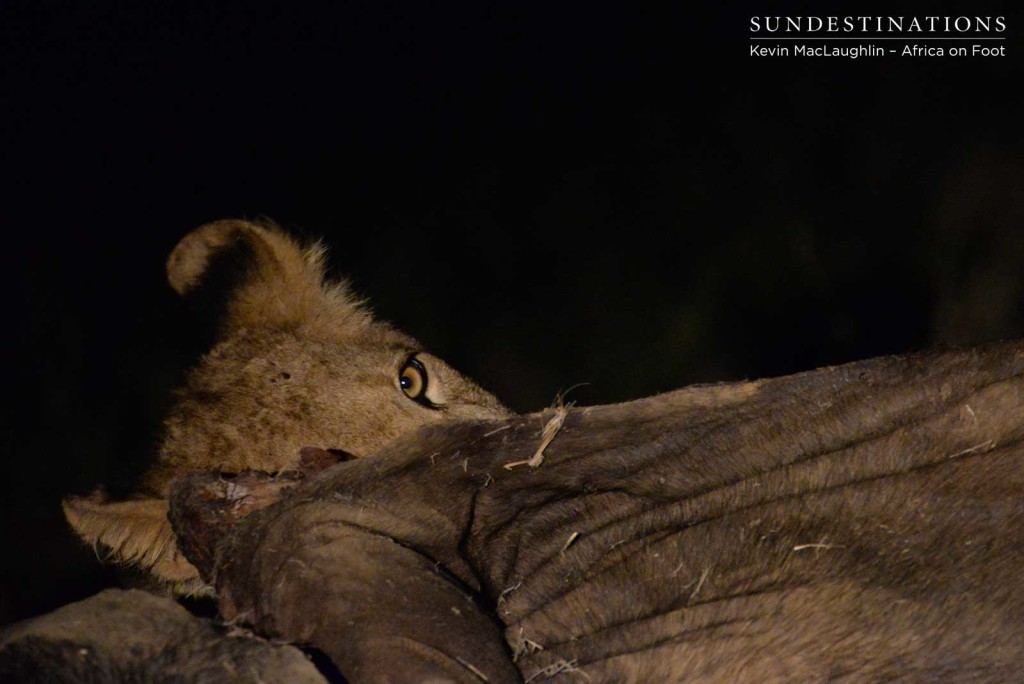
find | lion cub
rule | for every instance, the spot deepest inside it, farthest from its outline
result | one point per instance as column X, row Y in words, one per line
column 298, row 362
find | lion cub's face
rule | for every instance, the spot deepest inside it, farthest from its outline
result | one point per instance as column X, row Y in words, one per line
column 298, row 363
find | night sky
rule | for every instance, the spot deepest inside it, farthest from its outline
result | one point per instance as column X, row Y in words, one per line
column 545, row 195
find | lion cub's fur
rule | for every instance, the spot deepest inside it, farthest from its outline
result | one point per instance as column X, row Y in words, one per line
column 298, row 362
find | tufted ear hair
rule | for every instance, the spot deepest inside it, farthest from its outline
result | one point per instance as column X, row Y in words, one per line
column 135, row 532
column 246, row 274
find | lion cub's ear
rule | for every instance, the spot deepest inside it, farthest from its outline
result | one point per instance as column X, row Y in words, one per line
column 253, row 274
column 135, row 532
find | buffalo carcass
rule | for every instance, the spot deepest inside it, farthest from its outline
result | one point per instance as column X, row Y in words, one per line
column 862, row 522
column 858, row 523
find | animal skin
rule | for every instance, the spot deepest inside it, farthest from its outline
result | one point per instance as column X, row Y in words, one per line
column 862, row 523
column 297, row 362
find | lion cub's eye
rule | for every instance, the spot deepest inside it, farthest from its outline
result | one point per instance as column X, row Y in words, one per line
column 413, row 381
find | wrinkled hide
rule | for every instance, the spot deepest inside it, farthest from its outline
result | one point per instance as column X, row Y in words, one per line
column 862, row 522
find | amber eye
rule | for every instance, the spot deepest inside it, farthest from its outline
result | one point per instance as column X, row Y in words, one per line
column 413, row 380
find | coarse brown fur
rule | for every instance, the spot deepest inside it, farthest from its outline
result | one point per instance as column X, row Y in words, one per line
column 298, row 362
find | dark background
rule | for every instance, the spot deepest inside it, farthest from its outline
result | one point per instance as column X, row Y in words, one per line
column 615, row 194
